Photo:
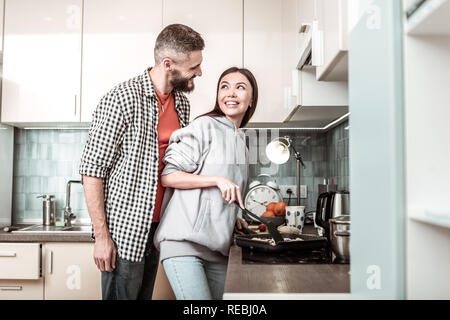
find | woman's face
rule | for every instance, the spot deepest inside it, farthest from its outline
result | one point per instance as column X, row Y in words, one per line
column 234, row 96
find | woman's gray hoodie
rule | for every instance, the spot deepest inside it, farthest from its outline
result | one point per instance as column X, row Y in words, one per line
column 199, row 221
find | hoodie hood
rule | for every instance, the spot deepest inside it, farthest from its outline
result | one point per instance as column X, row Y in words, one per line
column 225, row 121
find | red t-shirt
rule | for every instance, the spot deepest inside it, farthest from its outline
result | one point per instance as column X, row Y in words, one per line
column 168, row 123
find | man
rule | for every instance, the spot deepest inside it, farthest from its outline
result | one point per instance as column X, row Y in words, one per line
column 121, row 162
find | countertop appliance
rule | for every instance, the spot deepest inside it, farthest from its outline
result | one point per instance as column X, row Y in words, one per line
column 48, row 209
column 331, row 205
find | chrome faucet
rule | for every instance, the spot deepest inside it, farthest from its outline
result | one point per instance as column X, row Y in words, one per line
column 68, row 214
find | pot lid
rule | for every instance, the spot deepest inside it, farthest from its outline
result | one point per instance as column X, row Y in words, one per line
column 344, row 219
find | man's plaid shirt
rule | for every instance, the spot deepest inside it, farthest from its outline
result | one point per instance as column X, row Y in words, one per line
column 122, row 148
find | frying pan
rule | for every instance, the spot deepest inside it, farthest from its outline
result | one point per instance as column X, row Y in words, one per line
column 270, row 226
column 254, row 242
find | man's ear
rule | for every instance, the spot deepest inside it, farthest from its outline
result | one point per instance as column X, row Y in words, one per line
column 167, row 64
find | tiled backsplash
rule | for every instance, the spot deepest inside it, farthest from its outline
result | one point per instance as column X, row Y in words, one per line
column 325, row 156
column 45, row 160
column 338, row 156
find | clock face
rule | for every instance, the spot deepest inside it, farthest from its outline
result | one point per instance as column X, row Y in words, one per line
column 259, row 197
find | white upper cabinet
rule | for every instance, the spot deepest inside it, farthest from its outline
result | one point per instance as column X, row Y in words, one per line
column 220, row 24
column 118, row 42
column 62, row 56
column 42, row 61
column 270, row 41
column 333, row 20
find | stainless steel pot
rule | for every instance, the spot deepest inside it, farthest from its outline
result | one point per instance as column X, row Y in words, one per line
column 340, row 237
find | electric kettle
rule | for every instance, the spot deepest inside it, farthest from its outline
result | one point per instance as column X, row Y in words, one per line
column 331, row 205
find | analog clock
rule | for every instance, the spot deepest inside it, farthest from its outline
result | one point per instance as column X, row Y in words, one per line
column 259, row 197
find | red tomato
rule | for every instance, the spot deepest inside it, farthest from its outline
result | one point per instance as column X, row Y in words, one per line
column 268, row 214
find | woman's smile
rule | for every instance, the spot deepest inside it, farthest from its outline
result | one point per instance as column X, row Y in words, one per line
column 234, row 96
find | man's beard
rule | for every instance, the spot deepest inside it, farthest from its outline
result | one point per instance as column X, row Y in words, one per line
column 179, row 83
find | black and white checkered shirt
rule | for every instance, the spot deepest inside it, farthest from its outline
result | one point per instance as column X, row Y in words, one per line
column 122, row 148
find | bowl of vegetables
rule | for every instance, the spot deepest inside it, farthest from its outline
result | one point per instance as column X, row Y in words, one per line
column 275, row 213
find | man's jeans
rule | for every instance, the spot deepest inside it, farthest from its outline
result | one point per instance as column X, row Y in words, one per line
column 192, row 278
column 132, row 280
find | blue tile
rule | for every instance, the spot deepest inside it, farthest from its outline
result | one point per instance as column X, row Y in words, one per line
column 21, row 168
column 20, row 136
column 68, row 137
column 32, row 136
column 19, row 202
column 32, row 202
column 44, row 152
column 32, row 151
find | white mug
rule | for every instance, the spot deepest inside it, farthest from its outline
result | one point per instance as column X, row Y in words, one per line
column 295, row 216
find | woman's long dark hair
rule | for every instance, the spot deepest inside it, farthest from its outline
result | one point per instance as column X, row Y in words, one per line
column 217, row 112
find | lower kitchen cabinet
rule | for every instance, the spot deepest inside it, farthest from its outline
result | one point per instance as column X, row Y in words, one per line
column 20, row 261
column 22, row 289
column 70, row 272
column 162, row 289
column 20, row 271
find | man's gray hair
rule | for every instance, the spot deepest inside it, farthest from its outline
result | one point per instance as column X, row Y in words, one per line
column 177, row 39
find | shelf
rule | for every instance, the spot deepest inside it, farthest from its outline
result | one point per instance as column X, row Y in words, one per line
column 437, row 219
column 431, row 18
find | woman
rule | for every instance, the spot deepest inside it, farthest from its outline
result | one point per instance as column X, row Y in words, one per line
column 206, row 166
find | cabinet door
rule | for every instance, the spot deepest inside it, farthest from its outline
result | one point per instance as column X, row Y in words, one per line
column 270, row 37
column 220, row 24
column 333, row 19
column 41, row 61
column 162, row 289
column 118, row 42
column 22, row 289
column 70, row 272
column 20, row 260
column 377, row 155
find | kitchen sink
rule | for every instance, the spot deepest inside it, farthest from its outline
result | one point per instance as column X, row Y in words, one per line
column 55, row 229
column 84, row 228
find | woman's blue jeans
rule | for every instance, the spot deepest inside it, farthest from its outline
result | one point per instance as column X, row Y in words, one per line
column 193, row 278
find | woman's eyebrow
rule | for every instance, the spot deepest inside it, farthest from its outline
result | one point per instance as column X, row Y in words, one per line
column 236, row 82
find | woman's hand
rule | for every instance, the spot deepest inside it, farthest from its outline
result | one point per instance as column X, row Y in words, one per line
column 230, row 191
column 238, row 226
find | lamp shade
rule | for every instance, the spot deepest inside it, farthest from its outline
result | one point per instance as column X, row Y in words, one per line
column 278, row 150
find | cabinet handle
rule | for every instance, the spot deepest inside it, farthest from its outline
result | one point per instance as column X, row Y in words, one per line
column 50, row 262
column 11, row 288
column 7, row 253
column 75, row 104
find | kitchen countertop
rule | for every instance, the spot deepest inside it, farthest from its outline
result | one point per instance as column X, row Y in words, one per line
column 44, row 237
column 285, row 281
